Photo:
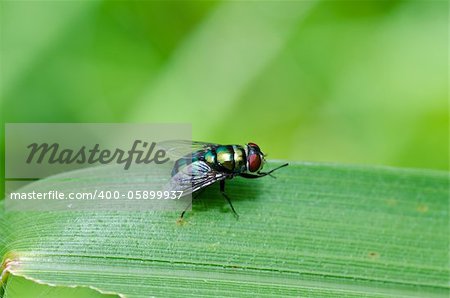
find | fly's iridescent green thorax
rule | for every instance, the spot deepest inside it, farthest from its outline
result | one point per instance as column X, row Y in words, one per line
column 230, row 158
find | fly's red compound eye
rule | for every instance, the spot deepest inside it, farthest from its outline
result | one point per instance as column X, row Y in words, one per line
column 254, row 146
column 254, row 162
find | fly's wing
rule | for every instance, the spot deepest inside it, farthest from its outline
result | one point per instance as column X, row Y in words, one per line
column 193, row 177
column 177, row 149
column 194, row 174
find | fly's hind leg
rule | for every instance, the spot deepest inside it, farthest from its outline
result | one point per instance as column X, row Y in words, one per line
column 190, row 203
column 222, row 190
column 184, row 211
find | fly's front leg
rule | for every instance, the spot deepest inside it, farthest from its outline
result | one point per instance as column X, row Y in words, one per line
column 262, row 174
column 253, row 176
column 222, row 190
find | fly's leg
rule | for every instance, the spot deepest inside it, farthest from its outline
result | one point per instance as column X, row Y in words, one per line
column 188, row 206
column 190, row 203
column 262, row 174
column 222, row 190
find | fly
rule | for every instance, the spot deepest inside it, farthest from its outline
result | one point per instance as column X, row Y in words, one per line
column 208, row 163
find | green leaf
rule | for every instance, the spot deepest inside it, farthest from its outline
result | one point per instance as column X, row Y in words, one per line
column 317, row 230
column 24, row 288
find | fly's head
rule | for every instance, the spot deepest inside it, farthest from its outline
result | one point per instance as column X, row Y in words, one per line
column 255, row 158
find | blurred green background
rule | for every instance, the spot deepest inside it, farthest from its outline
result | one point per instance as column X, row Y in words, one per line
column 337, row 81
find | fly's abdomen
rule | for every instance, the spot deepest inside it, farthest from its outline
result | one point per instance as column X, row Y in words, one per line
column 180, row 163
column 186, row 160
